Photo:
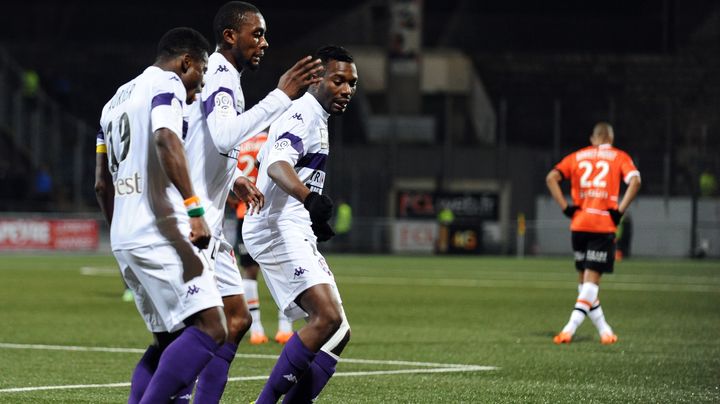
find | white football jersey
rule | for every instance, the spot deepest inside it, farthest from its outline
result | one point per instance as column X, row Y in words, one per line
column 218, row 124
column 148, row 209
column 299, row 137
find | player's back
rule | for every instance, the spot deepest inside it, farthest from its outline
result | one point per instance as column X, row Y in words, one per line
column 595, row 173
column 147, row 208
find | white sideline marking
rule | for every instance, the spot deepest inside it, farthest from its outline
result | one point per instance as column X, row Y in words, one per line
column 511, row 279
column 264, row 377
column 99, row 271
column 525, row 283
column 430, row 367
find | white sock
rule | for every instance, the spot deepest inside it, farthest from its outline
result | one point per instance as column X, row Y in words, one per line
column 598, row 318
column 253, row 301
column 588, row 294
column 284, row 324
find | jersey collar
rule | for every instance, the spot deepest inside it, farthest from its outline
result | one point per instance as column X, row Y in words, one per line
column 315, row 105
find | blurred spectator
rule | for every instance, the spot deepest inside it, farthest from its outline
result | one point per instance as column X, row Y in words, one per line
column 623, row 237
column 31, row 83
column 708, row 184
column 343, row 224
column 43, row 184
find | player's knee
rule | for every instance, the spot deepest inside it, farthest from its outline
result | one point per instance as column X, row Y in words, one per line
column 217, row 332
column 238, row 325
column 331, row 320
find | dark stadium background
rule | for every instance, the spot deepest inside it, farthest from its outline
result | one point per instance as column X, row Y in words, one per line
column 551, row 70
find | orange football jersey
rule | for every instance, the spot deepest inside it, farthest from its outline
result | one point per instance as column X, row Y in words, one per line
column 595, row 173
column 246, row 163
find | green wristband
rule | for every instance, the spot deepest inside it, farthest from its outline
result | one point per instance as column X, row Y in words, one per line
column 196, row 212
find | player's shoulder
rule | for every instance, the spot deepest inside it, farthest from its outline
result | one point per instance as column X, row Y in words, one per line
column 167, row 81
column 295, row 119
column 219, row 70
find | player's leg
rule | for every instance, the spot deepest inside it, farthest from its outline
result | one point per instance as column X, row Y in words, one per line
column 321, row 369
column 324, row 319
column 252, row 297
column 212, row 380
column 604, row 247
column 285, row 331
column 580, row 309
column 250, row 270
column 180, row 285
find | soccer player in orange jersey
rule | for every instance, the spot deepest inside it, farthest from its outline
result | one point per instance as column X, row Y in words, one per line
column 247, row 164
column 594, row 173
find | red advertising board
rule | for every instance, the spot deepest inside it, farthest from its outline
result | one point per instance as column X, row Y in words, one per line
column 41, row 234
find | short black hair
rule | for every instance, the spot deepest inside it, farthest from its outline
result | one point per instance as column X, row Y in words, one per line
column 182, row 40
column 333, row 52
column 230, row 16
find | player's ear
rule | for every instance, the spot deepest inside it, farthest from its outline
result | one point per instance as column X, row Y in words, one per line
column 229, row 36
column 185, row 62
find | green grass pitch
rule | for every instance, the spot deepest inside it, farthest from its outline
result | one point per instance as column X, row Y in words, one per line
column 424, row 330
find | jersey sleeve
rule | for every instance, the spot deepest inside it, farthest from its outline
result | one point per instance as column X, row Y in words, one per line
column 564, row 167
column 290, row 144
column 230, row 127
column 628, row 168
column 167, row 105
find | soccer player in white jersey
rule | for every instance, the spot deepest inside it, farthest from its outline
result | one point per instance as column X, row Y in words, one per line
column 155, row 237
column 218, row 124
column 283, row 237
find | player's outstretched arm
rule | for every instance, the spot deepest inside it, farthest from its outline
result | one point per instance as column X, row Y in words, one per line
column 229, row 129
column 104, row 189
column 299, row 77
column 171, row 154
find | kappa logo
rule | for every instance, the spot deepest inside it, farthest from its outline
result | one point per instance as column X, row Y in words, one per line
column 185, row 397
column 299, row 271
column 298, row 117
column 221, row 69
column 192, row 290
column 290, row 377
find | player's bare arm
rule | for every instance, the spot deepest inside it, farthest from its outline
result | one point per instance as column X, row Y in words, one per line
column 630, row 194
column 247, row 192
column 104, row 189
column 303, row 74
column 171, row 154
column 553, row 183
column 282, row 173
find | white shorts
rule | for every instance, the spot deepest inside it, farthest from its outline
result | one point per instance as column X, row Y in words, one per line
column 290, row 265
column 171, row 282
column 227, row 274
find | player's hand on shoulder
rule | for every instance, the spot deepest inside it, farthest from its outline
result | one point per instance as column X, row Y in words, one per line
column 300, row 76
column 615, row 215
column 199, row 232
column 322, row 231
column 247, row 192
column 319, row 206
column 570, row 210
